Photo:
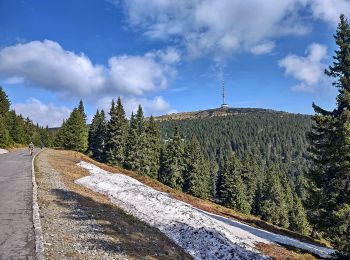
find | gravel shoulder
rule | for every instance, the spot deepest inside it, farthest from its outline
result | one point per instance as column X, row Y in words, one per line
column 78, row 223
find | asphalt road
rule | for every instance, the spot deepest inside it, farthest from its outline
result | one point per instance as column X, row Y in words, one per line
column 17, row 240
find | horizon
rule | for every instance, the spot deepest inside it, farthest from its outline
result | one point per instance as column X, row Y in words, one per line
column 167, row 56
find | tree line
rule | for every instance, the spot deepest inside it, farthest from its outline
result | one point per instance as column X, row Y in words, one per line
column 137, row 144
column 16, row 130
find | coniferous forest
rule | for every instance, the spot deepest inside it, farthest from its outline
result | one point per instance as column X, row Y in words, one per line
column 16, row 130
column 291, row 170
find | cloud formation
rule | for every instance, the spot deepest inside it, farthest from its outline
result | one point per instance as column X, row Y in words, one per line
column 43, row 114
column 329, row 10
column 151, row 106
column 216, row 27
column 308, row 70
column 221, row 28
column 46, row 64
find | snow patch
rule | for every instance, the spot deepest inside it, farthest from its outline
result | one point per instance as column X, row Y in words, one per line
column 203, row 235
column 3, row 151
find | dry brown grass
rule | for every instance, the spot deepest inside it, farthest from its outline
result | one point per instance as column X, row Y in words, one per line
column 277, row 252
column 137, row 239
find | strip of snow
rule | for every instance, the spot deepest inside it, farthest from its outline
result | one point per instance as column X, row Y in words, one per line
column 203, row 235
column 2, row 151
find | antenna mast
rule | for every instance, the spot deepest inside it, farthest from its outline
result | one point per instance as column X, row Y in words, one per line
column 223, row 105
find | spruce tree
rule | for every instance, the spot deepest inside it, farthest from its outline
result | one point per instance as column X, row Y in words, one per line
column 272, row 206
column 75, row 132
column 330, row 149
column 60, row 136
column 196, row 174
column 4, row 102
column 152, row 149
column 132, row 151
column 234, row 194
column 116, row 135
column 82, row 109
column 5, row 138
column 173, row 165
column 298, row 219
column 97, row 136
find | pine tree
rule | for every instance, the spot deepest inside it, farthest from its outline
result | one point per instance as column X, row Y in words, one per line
column 132, row 151
column 173, row 165
column 75, row 132
column 234, row 194
column 81, row 108
column 152, row 149
column 298, row 219
column 97, row 136
column 330, row 148
column 116, row 135
column 272, row 206
column 60, row 136
column 16, row 127
column 142, row 146
column 250, row 177
column 196, row 174
column 220, row 181
column 4, row 102
column 5, row 138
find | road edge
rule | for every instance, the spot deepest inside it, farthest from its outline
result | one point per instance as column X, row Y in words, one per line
column 39, row 241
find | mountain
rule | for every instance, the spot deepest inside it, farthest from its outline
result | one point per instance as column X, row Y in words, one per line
column 270, row 137
column 215, row 112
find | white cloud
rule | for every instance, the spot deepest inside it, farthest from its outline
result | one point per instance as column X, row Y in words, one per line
column 309, row 70
column 154, row 106
column 263, row 48
column 47, row 65
column 215, row 27
column 330, row 10
column 14, row 80
column 44, row 114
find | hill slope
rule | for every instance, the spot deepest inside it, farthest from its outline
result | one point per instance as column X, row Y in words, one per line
column 270, row 137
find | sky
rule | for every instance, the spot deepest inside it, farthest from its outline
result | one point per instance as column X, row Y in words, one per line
column 169, row 56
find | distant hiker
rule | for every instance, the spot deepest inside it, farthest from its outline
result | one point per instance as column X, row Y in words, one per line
column 42, row 145
column 31, row 148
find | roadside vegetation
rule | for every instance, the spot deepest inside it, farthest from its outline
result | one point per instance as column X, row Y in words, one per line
column 16, row 131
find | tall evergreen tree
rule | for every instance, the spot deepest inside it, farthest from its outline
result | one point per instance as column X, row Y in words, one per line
column 234, row 194
column 272, row 206
column 152, row 149
column 116, row 134
column 173, row 164
column 196, row 174
column 75, row 132
column 298, row 219
column 82, row 109
column 330, row 148
column 132, row 151
column 4, row 102
column 97, row 136
column 5, row 138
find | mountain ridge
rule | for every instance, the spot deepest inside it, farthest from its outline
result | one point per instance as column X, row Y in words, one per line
column 215, row 112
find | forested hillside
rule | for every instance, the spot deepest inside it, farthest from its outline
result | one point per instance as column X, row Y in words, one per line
column 271, row 137
column 16, row 130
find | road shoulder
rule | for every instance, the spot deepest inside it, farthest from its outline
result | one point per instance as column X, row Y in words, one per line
column 81, row 224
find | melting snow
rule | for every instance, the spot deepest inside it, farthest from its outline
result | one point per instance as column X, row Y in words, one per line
column 203, row 235
column 2, row 151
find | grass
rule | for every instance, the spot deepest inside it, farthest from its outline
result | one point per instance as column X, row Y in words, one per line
column 274, row 251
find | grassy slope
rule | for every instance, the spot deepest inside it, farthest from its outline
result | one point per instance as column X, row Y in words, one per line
column 137, row 239
column 212, row 207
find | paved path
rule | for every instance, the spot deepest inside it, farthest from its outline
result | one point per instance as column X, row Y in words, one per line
column 16, row 214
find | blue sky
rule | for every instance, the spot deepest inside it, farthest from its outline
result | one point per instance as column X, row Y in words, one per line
column 166, row 55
